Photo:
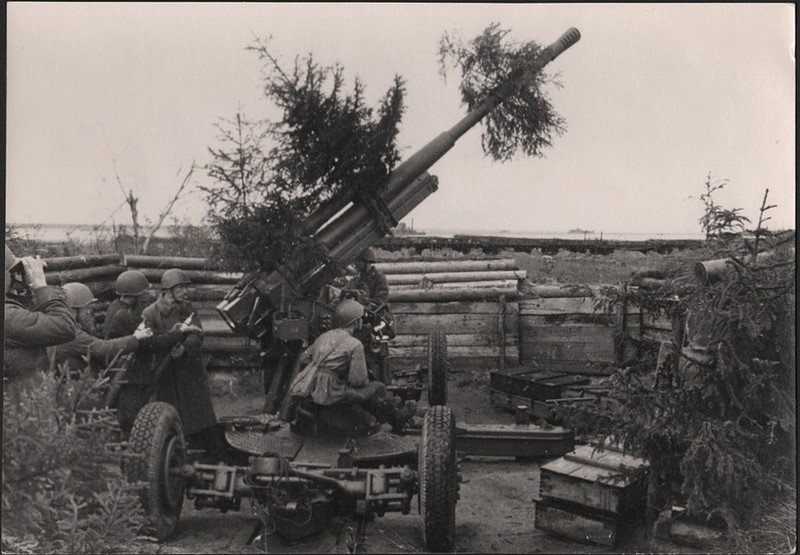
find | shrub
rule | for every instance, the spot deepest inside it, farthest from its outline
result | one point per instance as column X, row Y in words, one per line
column 62, row 488
column 718, row 427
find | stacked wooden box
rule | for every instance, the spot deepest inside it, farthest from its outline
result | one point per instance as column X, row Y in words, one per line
column 592, row 496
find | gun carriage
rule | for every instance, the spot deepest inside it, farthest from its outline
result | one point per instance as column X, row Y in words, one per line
column 298, row 477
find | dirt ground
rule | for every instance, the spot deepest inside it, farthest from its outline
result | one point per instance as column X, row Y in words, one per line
column 495, row 512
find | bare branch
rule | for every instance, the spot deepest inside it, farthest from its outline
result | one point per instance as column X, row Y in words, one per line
column 168, row 208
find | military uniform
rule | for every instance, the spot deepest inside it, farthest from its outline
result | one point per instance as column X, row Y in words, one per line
column 86, row 348
column 138, row 387
column 122, row 319
column 183, row 382
column 373, row 283
column 348, row 400
column 342, row 370
column 28, row 332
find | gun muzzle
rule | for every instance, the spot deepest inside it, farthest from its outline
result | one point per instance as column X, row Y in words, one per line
column 570, row 37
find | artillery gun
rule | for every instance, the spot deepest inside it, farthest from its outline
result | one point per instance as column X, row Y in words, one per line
column 283, row 309
column 297, row 478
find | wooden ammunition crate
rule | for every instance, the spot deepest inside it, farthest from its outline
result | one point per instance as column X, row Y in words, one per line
column 533, row 384
column 592, row 496
column 577, row 523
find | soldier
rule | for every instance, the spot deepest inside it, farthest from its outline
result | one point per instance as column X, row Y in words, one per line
column 74, row 356
column 370, row 281
column 183, row 381
column 123, row 318
column 29, row 331
column 336, row 374
column 372, row 290
column 125, row 313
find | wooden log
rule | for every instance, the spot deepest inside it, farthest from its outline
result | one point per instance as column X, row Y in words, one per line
column 567, row 350
column 61, row 263
column 456, row 285
column 197, row 276
column 453, row 339
column 539, row 290
column 207, row 292
column 583, row 333
column 457, row 351
column 557, row 305
column 97, row 273
column 485, row 324
column 449, row 277
column 166, row 262
column 648, row 283
column 454, row 294
column 455, row 307
column 446, row 266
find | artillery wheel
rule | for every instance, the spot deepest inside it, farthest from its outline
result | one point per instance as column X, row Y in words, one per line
column 437, row 367
column 438, row 482
column 157, row 453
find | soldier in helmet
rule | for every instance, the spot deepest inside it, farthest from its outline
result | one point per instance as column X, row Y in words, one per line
column 36, row 317
column 183, row 381
column 74, row 356
column 370, row 281
column 125, row 313
column 340, row 383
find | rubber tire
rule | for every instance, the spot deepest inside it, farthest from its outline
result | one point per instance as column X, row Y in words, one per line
column 157, row 428
column 438, row 367
column 438, row 481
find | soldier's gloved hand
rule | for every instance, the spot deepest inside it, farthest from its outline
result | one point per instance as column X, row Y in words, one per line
column 143, row 333
column 34, row 271
column 177, row 351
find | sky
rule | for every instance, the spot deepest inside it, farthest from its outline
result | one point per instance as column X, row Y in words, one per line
column 655, row 97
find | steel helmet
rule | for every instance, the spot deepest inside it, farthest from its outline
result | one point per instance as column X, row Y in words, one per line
column 78, row 295
column 174, row 277
column 11, row 260
column 347, row 312
column 368, row 255
column 131, row 283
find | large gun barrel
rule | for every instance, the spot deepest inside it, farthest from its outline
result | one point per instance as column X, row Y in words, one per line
column 422, row 160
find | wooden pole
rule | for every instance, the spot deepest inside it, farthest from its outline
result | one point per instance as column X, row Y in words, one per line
column 166, row 262
column 449, row 277
column 60, row 263
column 197, row 276
column 502, row 283
column 450, row 294
column 501, row 322
column 558, row 291
column 98, row 273
column 446, row 266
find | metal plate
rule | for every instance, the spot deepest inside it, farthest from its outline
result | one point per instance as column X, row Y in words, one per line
column 258, row 442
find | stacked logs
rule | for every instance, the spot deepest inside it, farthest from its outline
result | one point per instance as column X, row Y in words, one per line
column 446, row 280
column 97, row 271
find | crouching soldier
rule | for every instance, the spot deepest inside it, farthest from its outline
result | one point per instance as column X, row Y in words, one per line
column 36, row 317
column 335, row 378
column 177, row 371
